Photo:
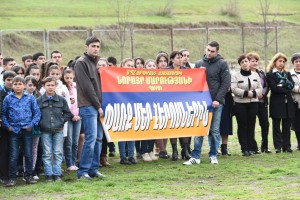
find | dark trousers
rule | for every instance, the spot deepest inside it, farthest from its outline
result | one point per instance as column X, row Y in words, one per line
column 282, row 139
column 4, row 152
column 15, row 139
column 246, row 116
column 298, row 138
column 39, row 160
column 104, row 146
column 111, row 147
column 138, row 146
column 262, row 115
column 147, row 146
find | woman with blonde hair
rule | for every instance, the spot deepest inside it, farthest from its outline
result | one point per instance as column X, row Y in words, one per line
column 281, row 102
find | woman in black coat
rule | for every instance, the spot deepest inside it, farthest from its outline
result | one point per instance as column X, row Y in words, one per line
column 281, row 102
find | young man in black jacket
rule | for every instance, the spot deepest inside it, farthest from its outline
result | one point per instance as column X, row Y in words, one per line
column 218, row 80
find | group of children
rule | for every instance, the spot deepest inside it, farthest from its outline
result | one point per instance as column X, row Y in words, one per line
column 32, row 110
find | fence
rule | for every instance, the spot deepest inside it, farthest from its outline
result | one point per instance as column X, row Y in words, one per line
column 147, row 42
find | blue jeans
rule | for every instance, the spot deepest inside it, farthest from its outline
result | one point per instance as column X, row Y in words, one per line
column 52, row 145
column 71, row 142
column 91, row 150
column 24, row 137
column 213, row 137
column 147, row 146
column 122, row 149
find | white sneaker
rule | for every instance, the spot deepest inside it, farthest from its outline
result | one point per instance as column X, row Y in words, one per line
column 192, row 161
column 146, row 157
column 213, row 160
column 152, row 156
column 36, row 177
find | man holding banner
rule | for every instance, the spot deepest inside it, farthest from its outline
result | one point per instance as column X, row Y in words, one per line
column 89, row 102
column 218, row 80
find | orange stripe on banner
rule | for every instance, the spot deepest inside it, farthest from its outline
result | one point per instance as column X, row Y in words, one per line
column 146, row 80
column 131, row 134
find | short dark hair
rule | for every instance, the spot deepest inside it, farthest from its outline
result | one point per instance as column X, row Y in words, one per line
column 71, row 63
column 55, row 51
column 37, row 55
column 30, row 67
column 8, row 74
column 16, row 68
column 112, row 60
column 139, row 58
column 91, row 40
column 173, row 55
column 242, row 57
column 49, row 79
column 32, row 79
column 294, row 57
column 6, row 60
column 26, row 57
column 18, row 79
column 214, row 44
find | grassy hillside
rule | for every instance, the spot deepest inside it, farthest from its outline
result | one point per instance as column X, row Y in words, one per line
column 39, row 14
column 101, row 14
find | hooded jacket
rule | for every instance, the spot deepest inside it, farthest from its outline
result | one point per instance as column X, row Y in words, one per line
column 217, row 77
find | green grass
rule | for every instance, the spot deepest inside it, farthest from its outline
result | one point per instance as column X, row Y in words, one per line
column 265, row 176
column 40, row 14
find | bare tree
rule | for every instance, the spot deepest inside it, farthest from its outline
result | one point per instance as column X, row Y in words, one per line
column 267, row 24
column 122, row 10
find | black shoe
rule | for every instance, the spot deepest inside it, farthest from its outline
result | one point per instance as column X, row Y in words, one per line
column 224, row 150
column 256, row 152
column 132, row 160
column 84, row 177
column 112, row 154
column 185, row 155
column 277, row 150
column 30, row 180
column 246, row 153
column 163, row 155
column 288, row 150
column 97, row 175
column 56, row 178
column 11, row 183
column 49, row 178
column 125, row 162
column 266, row 150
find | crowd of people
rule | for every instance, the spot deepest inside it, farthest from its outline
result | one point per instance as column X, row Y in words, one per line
column 50, row 113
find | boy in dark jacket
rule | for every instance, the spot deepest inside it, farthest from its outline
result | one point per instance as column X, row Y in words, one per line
column 55, row 112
